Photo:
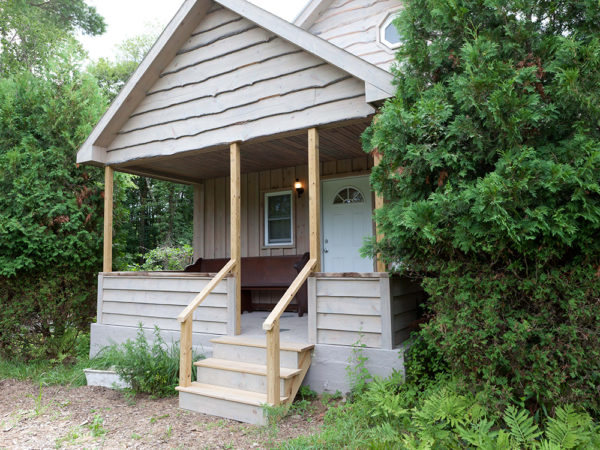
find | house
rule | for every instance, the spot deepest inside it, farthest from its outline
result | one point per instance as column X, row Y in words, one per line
column 263, row 117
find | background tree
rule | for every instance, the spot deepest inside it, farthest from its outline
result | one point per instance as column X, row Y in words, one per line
column 491, row 172
column 30, row 30
column 149, row 213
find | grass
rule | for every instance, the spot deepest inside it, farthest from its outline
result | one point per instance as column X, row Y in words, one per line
column 44, row 372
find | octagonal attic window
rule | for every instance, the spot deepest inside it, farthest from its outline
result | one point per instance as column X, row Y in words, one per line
column 388, row 33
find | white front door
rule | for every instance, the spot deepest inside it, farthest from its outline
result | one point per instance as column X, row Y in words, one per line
column 347, row 220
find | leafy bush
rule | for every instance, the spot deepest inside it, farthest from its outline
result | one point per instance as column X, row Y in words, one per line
column 149, row 368
column 50, row 209
column 166, row 258
column 490, row 161
column 422, row 362
column 390, row 414
column 43, row 313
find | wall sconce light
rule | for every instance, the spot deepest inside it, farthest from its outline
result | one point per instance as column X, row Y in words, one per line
column 299, row 188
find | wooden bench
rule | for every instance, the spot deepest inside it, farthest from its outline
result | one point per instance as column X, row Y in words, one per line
column 260, row 273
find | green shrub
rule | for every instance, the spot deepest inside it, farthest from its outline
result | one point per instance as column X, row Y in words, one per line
column 490, row 161
column 50, row 208
column 165, row 258
column 42, row 313
column 423, row 363
column 390, row 414
column 149, row 368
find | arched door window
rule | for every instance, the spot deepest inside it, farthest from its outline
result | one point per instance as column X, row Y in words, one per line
column 348, row 195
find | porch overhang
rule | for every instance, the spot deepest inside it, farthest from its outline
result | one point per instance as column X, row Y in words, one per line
column 337, row 142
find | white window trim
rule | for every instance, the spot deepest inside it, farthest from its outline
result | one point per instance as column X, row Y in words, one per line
column 266, row 219
column 381, row 32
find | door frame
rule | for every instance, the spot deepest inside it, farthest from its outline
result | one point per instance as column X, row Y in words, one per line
column 321, row 212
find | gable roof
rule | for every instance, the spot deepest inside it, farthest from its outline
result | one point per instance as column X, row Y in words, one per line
column 378, row 83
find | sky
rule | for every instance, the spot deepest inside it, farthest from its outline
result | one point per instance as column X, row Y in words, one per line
column 128, row 18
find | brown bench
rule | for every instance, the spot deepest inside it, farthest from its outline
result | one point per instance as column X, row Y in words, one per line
column 260, row 273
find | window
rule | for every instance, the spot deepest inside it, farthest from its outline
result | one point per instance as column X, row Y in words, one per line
column 388, row 33
column 348, row 195
column 279, row 218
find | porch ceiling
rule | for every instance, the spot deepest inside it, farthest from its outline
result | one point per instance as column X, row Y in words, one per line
column 337, row 143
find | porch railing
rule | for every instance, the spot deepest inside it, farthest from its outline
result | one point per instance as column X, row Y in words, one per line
column 271, row 326
column 186, row 319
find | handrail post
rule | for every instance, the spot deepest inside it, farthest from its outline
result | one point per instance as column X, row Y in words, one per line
column 273, row 365
column 185, row 355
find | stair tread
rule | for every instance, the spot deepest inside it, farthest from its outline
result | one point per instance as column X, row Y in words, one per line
column 244, row 367
column 225, row 393
column 261, row 342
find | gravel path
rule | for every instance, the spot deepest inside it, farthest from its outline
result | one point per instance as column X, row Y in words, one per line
column 95, row 417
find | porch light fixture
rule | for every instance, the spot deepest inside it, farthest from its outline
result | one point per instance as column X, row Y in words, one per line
column 299, row 188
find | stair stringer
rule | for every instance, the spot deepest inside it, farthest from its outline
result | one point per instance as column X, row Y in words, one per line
column 304, row 361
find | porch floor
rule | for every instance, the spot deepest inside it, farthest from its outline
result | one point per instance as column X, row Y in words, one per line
column 292, row 327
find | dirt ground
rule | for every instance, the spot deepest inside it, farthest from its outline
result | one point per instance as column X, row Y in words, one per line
column 96, row 417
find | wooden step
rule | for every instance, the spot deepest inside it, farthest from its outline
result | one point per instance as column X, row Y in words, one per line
column 261, row 343
column 225, row 393
column 224, row 402
column 244, row 367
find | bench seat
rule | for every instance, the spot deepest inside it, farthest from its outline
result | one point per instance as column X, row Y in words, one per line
column 262, row 273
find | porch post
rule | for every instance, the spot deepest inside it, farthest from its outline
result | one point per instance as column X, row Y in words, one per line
column 381, row 267
column 314, row 197
column 236, row 244
column 108, row 218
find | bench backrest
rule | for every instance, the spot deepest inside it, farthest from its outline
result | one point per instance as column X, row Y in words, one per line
column 257, row 271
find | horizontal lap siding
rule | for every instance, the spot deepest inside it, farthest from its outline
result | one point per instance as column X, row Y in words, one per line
column 235, row 81
column 128, row 301
column 348, row 311
column 406, row 297
column 354, row 26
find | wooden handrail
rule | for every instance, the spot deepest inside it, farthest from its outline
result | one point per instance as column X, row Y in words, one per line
column 185, row 341
column 289, row 295
column 271, row 326
column 189, row 310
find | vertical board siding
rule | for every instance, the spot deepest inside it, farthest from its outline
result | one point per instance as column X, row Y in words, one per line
column 354, row 26
column 215, row 238
column 157, row 301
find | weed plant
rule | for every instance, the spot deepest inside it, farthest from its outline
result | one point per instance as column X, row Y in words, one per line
column 151, row 368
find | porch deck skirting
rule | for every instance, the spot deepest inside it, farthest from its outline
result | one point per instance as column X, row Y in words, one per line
column 370, row 310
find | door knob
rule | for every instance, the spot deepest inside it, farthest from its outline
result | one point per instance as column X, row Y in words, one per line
column 325, row 250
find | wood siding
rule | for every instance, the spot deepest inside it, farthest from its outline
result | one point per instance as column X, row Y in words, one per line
column 354, row 26
column 373, row 308
column 233, row 80
column 157, row 300
column 213, row 220
column 406, row 296
column 345, row 310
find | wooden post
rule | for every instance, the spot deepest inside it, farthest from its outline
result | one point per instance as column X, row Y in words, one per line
column 108, row 217
column 185, row 353
column 236, row 230
column 273, row 365
column 381, row 267
column 314, row 197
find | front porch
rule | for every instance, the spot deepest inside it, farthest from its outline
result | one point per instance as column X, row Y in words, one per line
column 344, row 310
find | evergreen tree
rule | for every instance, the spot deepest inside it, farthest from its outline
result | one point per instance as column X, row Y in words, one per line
column 491, row 172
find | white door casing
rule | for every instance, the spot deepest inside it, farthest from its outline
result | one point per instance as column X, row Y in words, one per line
column 347, row 219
